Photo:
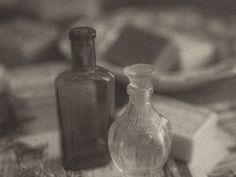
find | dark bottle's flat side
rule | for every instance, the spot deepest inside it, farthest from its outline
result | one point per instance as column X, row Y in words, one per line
column 85, row 111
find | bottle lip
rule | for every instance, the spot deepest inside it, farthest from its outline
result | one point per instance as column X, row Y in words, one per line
column 82, row 33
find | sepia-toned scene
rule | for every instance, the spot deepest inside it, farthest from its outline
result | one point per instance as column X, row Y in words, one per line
column 117, row 88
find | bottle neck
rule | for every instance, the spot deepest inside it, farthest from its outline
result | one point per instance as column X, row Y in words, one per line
column 139, row 97
column 83, row 55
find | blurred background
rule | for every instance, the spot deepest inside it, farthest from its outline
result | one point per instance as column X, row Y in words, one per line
column 192, row 44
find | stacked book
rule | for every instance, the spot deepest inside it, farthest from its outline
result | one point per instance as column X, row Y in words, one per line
column 227, row 122
column 197, row 139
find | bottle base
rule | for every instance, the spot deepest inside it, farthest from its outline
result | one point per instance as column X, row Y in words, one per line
column 83, row 163
column 155, row 173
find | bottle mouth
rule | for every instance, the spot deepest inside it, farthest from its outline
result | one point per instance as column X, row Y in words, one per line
column 82, row 33
column 140, row 75
column 141, row 70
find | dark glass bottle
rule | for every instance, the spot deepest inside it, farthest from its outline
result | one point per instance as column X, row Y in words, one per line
column 85, row 101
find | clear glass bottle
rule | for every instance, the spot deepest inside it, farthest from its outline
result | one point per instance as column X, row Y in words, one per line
column 85, row 101
column 140, row 138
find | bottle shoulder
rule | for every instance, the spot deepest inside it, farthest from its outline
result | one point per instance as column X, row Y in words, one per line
column 146, row 113
column 100, row 74
column 104, row 73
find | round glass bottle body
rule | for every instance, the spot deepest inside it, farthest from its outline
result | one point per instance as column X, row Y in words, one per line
column 140, row 138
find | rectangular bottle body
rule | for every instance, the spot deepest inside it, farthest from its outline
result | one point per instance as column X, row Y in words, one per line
column 85, row 110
